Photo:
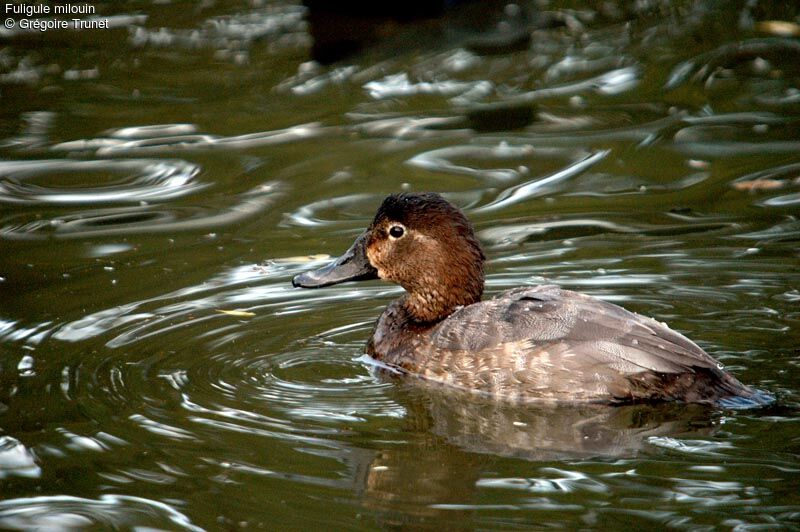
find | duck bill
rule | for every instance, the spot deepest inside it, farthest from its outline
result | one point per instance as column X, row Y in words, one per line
column 352, row 266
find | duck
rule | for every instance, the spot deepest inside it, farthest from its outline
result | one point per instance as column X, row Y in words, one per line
column 532, row 343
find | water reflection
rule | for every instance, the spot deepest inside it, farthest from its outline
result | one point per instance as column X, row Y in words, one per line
column 462, row 436
column 548, row 432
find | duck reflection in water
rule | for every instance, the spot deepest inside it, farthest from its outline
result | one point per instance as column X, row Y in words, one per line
column 529, row 344
column 457, row 443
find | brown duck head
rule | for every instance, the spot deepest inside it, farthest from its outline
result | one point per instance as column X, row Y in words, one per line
column 421, row 242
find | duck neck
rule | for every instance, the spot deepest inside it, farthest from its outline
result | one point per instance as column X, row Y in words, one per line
column 434, row 305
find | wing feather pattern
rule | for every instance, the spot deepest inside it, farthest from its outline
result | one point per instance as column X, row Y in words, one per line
column 547, row 343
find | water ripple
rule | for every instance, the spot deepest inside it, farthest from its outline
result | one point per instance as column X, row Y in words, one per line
column 63, row 512
column 702, row 68
column 341, row 211
column 306, row 215
column 608, row 83
column 120, row 143
column 514, row 234
column 442, row 160
column 311, row 387
column 225, row 32
column 399, row 85
column 305, row 390
column 537, row 187
column 700, row 447
column 139, row 180
column 16, row 460
column 772, row 179
column 559, row 480
column 140, row 219
column 731, row 140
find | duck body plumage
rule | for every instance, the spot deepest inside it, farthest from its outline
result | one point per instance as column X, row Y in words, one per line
column 546, row 343
column 538, row 343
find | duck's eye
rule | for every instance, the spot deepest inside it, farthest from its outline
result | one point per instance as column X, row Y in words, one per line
column 396, row 231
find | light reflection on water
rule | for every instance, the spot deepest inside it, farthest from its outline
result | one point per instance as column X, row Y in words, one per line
column 158, row 193
column 159, row 181
column 64, row 512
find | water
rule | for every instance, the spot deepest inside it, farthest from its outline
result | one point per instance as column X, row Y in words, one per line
column 163, row 180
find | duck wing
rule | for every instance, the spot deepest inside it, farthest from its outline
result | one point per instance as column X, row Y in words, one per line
column 545, row 342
